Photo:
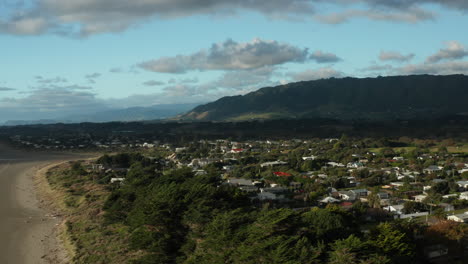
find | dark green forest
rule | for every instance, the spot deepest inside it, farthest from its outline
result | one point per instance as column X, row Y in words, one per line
column 177, row 217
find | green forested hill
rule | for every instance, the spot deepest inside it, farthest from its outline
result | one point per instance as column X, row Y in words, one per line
column 407, row 97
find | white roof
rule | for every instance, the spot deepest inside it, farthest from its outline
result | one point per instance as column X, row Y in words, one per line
column 329, row 200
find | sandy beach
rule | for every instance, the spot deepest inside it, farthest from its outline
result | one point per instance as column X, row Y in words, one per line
column 29, row 231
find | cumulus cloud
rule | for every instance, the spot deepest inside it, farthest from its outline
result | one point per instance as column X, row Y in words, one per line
column 54, row 80
column 323, row 57
column 6, row 89
column 92, row 77
column 453, row 51
column 50, row 102
column 153, row 83
column 170, row 95
column 321, row 73
column 444, row 68
column 243, row 79
column 395, row 56
column 385, row 67
column 116, row 70
column 405, row 4
column 230, row 55
column 411, row 15
column 88, row 17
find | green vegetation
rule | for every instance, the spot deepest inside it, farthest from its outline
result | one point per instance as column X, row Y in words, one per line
column 382, row 98
column 164, row 214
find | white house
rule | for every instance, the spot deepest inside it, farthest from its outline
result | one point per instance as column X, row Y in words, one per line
column 394, row 208
column 464, row 196
column 463, row 184
column 309, row 158
column 329, row 200
column 273, row 163
column 419, row 198
column 449, row 195
column 433, row 169
column 335, row 164
column 461, row 218
column 117, row 180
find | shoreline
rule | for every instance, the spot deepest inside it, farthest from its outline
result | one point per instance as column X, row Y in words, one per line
column 32, row 223
column 60, row 248
column 29, row 233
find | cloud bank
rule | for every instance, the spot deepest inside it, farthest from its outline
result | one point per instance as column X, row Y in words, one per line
column 88, row 17
column 230, row 55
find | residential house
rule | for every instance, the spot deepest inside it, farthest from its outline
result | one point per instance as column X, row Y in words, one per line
column 237, row 150
column 419, row 198
column 273, row 163
column 461, row 218
column 282, row 174
column 335, row 164
column 355, row 165
column 463, row 196
column 309, row 157
column 452, row 195
column 249, row 188
column 275, row 189
column 347, row 195
column 433, row 169
column 397, row 184
column 463, row 184
column 117, row 180
column 328, row 200
column 266, row 196
column 397, row 209
column 383, row 195
column 447, row 207
column 360, row 192
column 240, row 182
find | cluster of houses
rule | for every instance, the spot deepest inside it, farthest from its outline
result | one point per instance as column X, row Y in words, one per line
column 408, row 182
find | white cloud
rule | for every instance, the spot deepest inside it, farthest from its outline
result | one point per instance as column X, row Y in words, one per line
column 412, row 15
column 50, row 102
column 445, row 68
column 230, row 55
column 6, row 89
column 376, row 67
column 324, row 57
column 153, row 83
column 88, row 17
column 54, row 80
column 453, row 51
column 321, row 73
column 395, row 56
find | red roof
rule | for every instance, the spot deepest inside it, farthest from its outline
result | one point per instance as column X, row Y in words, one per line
column 238, row 150
column 283, row 174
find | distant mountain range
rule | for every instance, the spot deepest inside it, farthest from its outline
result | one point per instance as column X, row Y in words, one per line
column 123, row 115
column 381, row 98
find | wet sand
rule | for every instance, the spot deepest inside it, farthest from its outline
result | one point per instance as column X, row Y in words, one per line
column 28, row 233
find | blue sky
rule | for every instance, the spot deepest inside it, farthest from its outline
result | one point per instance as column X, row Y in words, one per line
column 67, row 57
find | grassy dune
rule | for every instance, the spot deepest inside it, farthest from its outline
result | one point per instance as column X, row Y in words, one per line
column 81, row 202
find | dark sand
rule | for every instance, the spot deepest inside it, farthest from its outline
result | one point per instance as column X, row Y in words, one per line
column 28, row 233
